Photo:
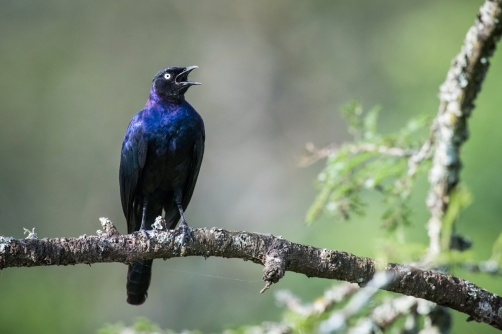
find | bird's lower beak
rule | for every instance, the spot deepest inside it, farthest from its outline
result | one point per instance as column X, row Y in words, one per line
column 183, row 76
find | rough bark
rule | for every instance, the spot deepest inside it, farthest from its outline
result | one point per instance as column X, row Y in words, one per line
column 276, row 254
column 457, row 94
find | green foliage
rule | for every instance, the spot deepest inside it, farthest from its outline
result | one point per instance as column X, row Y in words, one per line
column 373, row 161
column 497, row 250
column 460, row 198
column 392, row 250
column 111, row 329
column 455, row 258
column 304, row 324
column 141, row 326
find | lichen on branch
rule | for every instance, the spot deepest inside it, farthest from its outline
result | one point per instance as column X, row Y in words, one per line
column 277, row 255
column 457, row 95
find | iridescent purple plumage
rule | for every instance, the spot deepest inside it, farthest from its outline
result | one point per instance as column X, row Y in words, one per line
column 160, row 161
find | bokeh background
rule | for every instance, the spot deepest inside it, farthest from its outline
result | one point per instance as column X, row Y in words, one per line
column 274, row 75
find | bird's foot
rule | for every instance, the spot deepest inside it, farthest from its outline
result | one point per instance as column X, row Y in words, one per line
column 185, row 232
column 143, row 233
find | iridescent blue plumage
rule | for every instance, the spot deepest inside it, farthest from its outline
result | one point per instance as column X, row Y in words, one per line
column 161, row 156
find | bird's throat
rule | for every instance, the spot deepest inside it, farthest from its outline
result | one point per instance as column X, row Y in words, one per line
column 154, row 98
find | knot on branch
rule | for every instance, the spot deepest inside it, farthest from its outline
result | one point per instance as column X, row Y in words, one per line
column 160, row 224
column 109, row 229
column 4, row 242
column 31, row 234
column 275, row 267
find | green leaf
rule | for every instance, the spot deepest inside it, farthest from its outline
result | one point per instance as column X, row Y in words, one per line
column 497, row 250
column 355, row 167
column 352, row 112
column 370, row 123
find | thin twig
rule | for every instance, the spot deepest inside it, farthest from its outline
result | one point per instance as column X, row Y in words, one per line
column 333, row 295
column 318, row 154
column 383, row 316
column 337, row 320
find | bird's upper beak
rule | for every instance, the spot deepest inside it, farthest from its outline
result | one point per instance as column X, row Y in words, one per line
column 183, row 76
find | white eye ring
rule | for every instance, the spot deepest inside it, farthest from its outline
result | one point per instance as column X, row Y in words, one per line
column 167, row 76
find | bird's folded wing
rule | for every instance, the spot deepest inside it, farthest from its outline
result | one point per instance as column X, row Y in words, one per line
column 198, row 153
column 132, row 161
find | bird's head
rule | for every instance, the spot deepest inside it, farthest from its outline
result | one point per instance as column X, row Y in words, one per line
column 172, row 82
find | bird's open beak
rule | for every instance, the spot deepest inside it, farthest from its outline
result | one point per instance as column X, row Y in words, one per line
column 183, row 76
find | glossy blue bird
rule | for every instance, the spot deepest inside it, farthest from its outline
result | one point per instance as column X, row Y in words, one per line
column 160, row 161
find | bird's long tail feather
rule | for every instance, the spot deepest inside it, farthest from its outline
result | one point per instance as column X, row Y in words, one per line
column 138, row 281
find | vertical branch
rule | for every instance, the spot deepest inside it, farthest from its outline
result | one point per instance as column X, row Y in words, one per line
column 457, row 95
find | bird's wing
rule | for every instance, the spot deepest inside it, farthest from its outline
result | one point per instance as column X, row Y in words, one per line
column 198, row 152
column 132, row 161
column 172, row 212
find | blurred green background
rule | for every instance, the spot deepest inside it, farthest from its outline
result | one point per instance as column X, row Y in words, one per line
column 274, row 75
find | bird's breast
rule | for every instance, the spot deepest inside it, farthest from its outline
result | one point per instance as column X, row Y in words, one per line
column 170, row 154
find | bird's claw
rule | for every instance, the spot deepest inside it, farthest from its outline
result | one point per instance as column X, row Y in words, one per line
column 186, row 232
column 144, row 234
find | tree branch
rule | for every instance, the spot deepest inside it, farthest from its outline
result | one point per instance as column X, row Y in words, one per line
column 274, row 253
column 457, row 95
column 318, row 154
column 332, row 296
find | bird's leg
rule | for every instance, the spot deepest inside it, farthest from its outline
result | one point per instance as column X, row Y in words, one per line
column 142, row 228
column 185, row 230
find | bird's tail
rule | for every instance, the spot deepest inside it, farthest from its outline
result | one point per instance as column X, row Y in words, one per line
column 138, row 281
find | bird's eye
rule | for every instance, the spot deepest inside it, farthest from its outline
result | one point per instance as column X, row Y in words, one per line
column 167, row 76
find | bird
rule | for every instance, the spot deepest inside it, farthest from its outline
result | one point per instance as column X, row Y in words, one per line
column 160, row 160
